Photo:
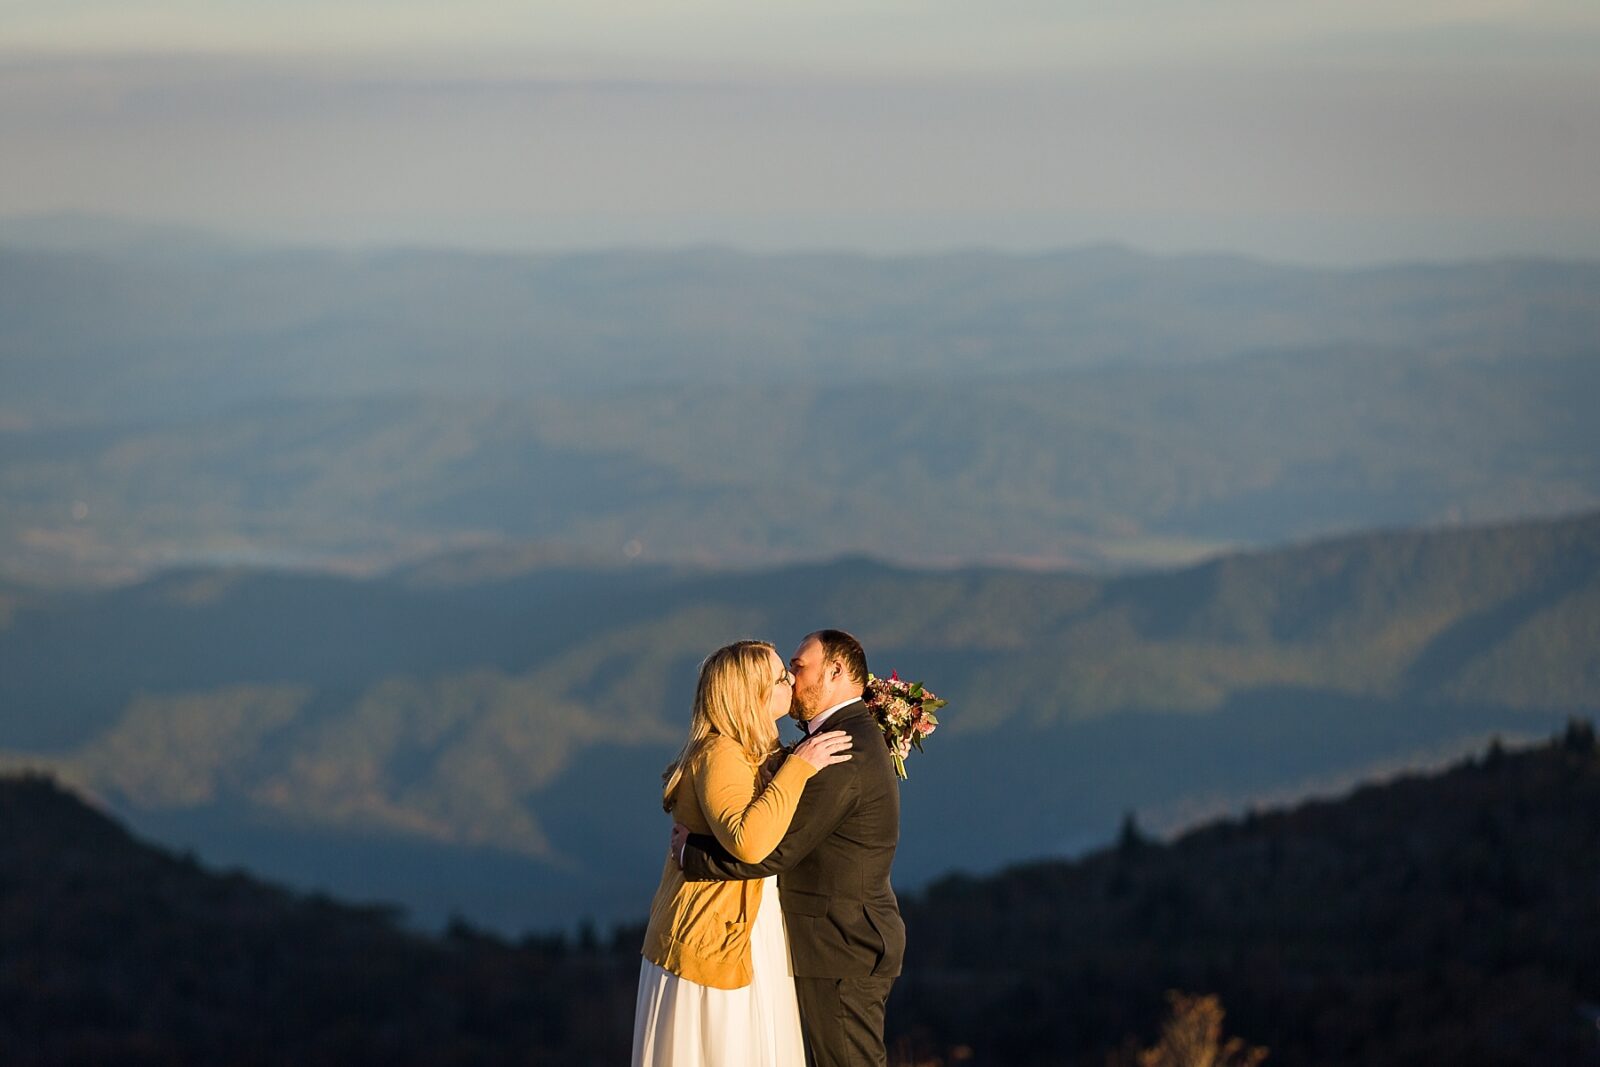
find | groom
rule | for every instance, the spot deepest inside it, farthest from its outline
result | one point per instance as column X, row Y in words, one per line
column 845, row 933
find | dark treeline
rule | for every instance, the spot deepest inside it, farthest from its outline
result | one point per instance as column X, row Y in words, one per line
column 1444, row 919
column 113, row 952
column 1449, row 919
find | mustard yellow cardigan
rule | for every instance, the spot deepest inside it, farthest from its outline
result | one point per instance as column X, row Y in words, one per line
column 701, row 930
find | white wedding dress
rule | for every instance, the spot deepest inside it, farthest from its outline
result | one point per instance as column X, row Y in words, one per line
column 678, row 1023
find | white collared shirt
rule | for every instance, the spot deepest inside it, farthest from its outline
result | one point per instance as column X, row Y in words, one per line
column 813, row 725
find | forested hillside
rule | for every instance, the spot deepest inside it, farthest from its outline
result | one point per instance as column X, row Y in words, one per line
column 1449, row 918
column 117, row 952
column 451, row 731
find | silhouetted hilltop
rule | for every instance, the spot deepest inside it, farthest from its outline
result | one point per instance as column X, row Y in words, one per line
column 1434, row 919
column 1452, row 919
column 119, row 953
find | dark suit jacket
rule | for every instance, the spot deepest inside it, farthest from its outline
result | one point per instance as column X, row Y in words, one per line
column 833, row 864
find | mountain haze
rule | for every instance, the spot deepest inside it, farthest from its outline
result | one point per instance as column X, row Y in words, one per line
column 1095, row 408
column 116, row 332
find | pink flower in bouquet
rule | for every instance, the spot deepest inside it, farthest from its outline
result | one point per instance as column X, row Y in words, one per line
column 905, row 712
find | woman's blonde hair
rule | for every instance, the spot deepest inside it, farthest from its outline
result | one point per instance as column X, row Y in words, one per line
column 731, row 700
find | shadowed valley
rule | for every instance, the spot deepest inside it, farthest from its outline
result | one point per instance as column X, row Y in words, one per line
column 490, row 745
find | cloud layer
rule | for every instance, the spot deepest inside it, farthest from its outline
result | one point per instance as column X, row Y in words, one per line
column 1460, row 128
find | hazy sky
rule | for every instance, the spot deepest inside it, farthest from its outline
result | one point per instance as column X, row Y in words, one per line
column 1341, row 131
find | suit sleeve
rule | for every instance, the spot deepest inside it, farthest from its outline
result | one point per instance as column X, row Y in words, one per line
column 827, row 800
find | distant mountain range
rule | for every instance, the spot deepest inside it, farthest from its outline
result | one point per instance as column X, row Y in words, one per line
column 135, row 329
column 483, row 735
column 1429, row 920
column 168, row 401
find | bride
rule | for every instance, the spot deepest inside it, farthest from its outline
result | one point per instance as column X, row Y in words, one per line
column 715, row 986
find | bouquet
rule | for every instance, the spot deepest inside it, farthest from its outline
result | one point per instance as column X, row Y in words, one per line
column 905, row 714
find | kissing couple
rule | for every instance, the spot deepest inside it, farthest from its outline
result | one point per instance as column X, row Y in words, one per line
column 774, row 936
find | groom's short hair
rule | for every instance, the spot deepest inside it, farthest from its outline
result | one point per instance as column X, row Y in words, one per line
column 838, row 645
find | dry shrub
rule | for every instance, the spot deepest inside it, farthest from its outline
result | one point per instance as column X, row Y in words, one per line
column 1191, row 1036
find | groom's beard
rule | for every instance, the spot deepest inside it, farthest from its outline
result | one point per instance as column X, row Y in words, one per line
column 800, row 708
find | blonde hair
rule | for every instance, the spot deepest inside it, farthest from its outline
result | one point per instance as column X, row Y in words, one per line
column 730, row 700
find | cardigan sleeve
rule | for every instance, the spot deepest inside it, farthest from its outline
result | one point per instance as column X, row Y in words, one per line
column 821, row 810
column 747, row 822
